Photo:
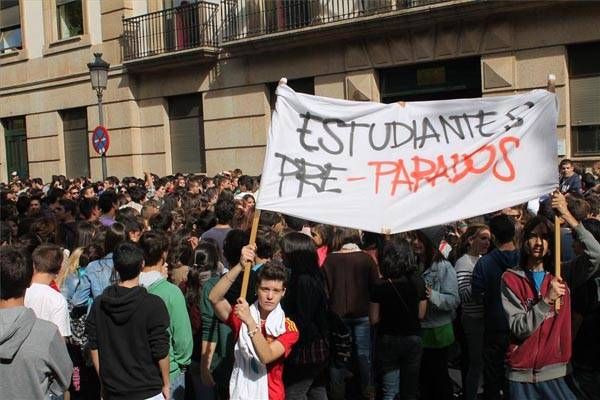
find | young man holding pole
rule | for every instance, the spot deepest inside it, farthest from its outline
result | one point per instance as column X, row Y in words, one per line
column 264, row 336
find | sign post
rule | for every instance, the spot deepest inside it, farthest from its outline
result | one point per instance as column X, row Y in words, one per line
column 100, row 142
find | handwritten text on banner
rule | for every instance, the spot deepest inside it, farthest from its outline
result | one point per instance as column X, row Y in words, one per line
column 398, row 167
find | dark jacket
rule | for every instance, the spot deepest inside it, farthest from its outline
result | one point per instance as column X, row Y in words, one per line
column 486, row 287
column 540, row 339
column 350, row 276
column 128, row 327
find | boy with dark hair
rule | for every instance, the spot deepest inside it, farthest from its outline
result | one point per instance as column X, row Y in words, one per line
column 224, row 211
column 127, row 334
column 34, row 363
column 264, row 336
column 47, row 303
column 108, row 206
column 486, row 281
column 570, row 181
column 155, row 246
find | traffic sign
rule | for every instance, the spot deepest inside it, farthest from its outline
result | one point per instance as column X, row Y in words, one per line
column 100, row 140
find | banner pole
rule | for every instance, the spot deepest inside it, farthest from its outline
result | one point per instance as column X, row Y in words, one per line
column 247, row 266
column 557, row 265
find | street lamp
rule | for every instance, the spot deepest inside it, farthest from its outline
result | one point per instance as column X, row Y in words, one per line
column 99, row 77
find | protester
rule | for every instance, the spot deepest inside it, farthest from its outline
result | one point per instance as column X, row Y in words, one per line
column 204, row 265
column 305, row 301
column 35, row 363
column 322, row 235
column 570, row 181
column 583, row 278
column 350, row 274
column 540, row 338
column 101, row 273
column 153, row 277
column 401, row 301
column 474, row 243
column 485, row 289
column 442, row 301
column 47, row 303
column 128, row 337
column 224, row 211
column 264, row 336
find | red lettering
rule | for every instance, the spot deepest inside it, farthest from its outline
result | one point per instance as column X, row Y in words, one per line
column 379, row 173
column 419, row 174
column 470, row 163
column 424, row 169
column 511, row 169
column 401, row 170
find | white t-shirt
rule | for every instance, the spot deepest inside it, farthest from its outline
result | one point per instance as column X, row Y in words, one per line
column 49, row 305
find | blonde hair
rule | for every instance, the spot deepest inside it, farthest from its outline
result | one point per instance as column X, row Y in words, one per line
column 69, row 267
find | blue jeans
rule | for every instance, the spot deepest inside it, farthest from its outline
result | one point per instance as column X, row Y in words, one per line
column 178, row 387
column 361, row 340
column 399, row 360
column 554, row 389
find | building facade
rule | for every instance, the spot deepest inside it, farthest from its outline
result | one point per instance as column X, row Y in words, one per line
column 191, row 83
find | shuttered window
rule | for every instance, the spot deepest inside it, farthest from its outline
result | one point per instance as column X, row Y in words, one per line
column 584, row 74
column 16, row 146
column 75, row 130
column 187, row 133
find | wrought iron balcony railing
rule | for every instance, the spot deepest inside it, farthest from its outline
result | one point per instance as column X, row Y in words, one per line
column 242, row 19
column 188, row 26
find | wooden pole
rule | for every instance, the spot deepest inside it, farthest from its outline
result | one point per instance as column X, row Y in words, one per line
column 557, row 265
column 248, row 266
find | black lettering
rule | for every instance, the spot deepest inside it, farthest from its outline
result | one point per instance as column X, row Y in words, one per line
column 518, row 121
column 411, row 129
column 305, row 131
column 340, row 145
column 458, row 131
column 427, row 126
column 320, row 173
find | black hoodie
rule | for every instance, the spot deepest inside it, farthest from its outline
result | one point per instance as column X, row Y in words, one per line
column 128, row 327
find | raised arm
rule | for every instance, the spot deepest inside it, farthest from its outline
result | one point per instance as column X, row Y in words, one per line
column 217, row 294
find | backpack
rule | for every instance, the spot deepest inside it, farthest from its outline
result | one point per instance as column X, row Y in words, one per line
column 340, row 340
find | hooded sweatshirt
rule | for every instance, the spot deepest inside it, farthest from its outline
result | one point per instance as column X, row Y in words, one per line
column 540, row 338
column 180, row 328
column 34, row 362
column 487, row 276
column 128, row 327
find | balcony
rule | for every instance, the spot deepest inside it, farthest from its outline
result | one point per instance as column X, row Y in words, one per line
column 245, row 19
column 185, row 32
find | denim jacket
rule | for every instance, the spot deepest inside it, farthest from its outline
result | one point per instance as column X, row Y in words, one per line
column 444, row 300
column 99, row 275
column 70, row 286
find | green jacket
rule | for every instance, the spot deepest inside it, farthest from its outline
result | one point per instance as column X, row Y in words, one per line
column 215, row 331
column 180, row 329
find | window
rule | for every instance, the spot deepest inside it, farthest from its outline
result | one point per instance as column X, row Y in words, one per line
column 10, row 26
column 69, row 18
column 77, row 157
column 16, row 146
column 187, row 133
column 301, row 85
column 584, row 87
column 445, row 80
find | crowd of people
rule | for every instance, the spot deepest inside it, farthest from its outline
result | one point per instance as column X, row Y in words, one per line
column 132, row 289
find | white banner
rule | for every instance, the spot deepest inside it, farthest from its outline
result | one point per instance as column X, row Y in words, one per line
column 391, row 168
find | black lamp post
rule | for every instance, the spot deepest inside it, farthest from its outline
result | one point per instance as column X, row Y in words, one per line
column 99, row 77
